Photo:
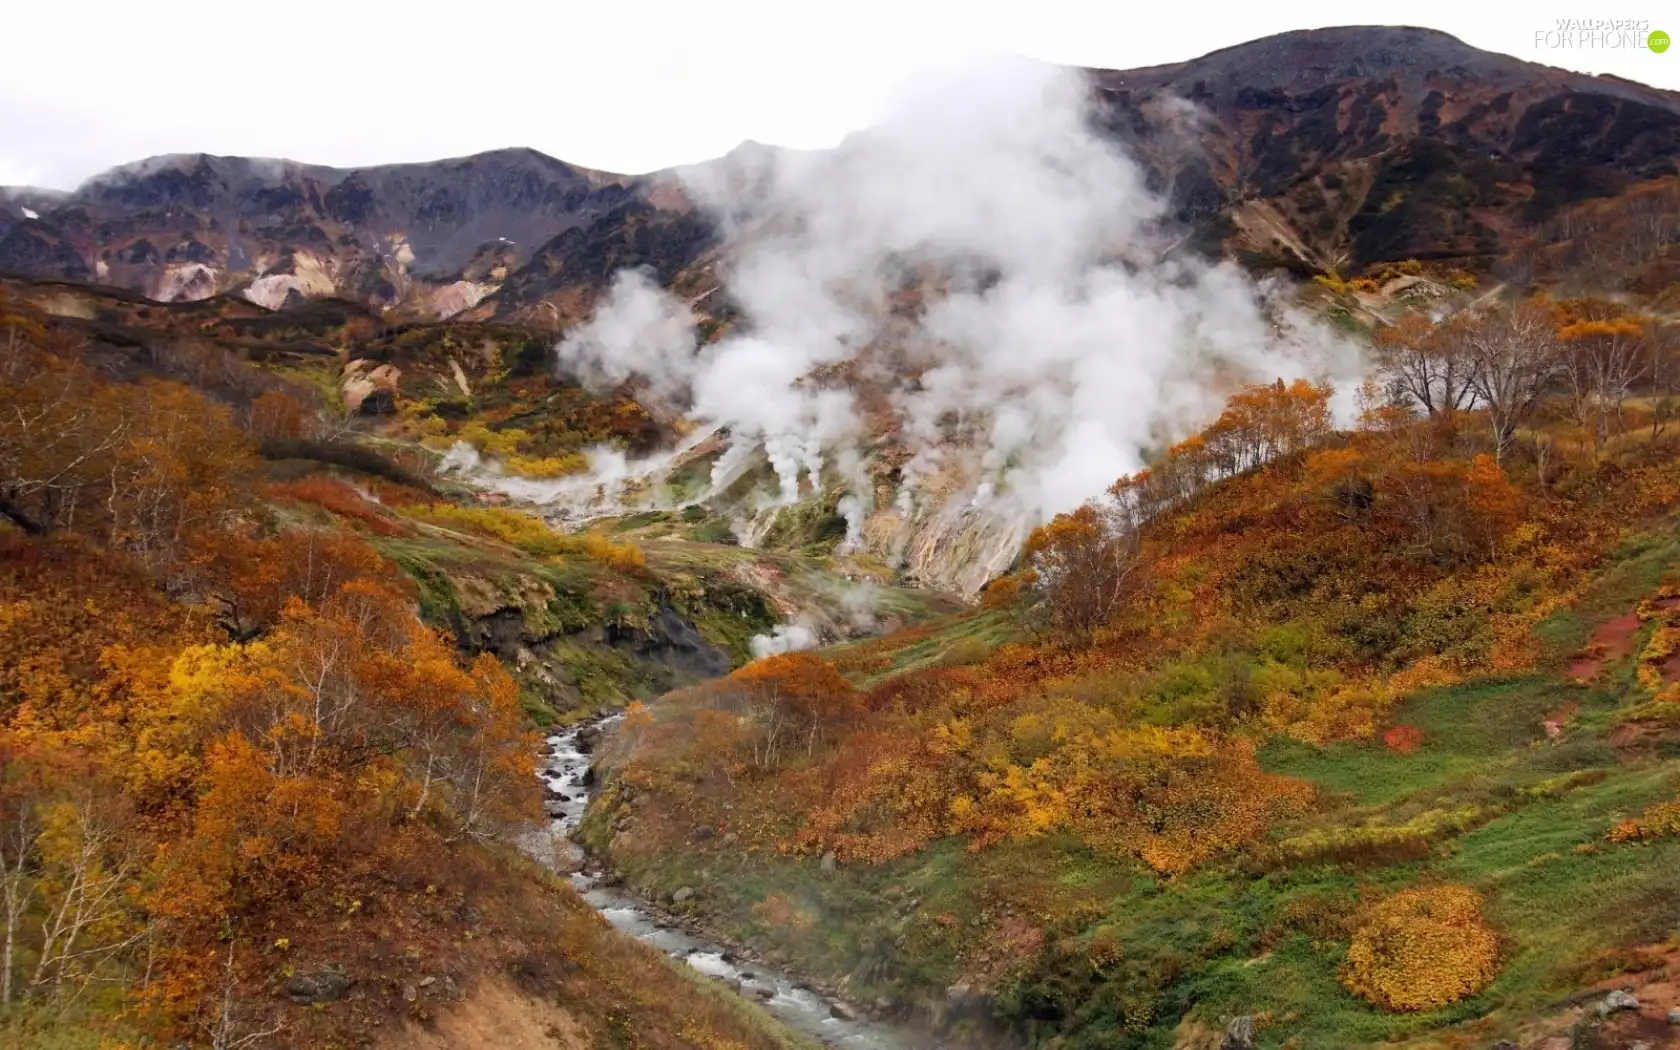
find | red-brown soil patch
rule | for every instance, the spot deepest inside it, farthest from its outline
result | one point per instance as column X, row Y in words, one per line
column 1610, row 641
column 1652, row 975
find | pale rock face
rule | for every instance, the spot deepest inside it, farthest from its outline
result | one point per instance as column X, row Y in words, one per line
column 312, row 278
column 101, row 271
column 362, row 379
column 30, row 213
column 957, row 548
column 451, row 299
column 185, row 282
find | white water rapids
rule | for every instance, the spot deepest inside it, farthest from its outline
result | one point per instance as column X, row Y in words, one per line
column 564, row 771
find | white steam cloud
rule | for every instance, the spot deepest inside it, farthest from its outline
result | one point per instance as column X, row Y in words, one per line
column 637, row 330
column 783, row 638
column 985, row 277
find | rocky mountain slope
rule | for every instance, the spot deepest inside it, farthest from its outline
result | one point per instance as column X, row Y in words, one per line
column 1358, row 145
column 1316, row 150
column 434, row 237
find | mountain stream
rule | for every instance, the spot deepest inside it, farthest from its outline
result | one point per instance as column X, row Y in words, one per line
column 565, row 772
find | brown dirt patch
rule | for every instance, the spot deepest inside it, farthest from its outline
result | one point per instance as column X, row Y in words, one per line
column 1610, row 641
column 1013, row 939
column 1671, row 669
column 1625, row 735
column 1653, row 978
column 1657, row 987
column 495, row 1015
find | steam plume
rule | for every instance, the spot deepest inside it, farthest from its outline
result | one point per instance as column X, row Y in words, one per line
column 989, row 276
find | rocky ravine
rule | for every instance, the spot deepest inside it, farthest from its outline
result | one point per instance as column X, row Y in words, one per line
column 567, row 785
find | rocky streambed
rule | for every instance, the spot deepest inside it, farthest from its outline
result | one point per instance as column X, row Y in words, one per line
column 565, row 773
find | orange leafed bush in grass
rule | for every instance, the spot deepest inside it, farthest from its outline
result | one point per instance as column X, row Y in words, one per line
column 340, row 499
column 1660, row 821
column 1422, row 948
column 1403, row 738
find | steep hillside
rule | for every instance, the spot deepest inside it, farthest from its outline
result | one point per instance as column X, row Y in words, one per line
column 249, row 796
column 1336, row 149
column 1301, row 737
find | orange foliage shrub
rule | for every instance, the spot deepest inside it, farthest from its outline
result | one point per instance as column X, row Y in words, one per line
column 275, row 416
column 1422, row 948
column 340, row 499
column 1403, row 738
column 798, row 697
column 1660, row 821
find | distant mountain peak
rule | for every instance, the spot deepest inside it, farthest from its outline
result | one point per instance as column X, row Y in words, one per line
column 1317, row 148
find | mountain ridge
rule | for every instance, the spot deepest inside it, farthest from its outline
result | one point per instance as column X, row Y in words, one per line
column 1316, row 151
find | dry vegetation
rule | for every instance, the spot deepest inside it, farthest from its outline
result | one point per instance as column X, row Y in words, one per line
column 246, row 796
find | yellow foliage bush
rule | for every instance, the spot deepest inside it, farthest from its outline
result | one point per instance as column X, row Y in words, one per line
column 503, row 445
column 1653, row 660
column 547, row 466
column 1422, row 948
column 624, row 557
column 531, row 534
column 1660, row 821
column 1375, row 841
column 528, row 533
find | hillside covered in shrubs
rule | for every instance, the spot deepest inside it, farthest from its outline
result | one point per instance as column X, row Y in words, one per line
column 1341, row 732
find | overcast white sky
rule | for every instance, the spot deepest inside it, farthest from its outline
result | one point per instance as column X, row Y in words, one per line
column 615, row 84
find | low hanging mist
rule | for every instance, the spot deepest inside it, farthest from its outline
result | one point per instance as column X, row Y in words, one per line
column 979, row 287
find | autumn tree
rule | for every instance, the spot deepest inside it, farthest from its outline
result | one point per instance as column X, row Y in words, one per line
column 1266, row 421
column 252, row 577
column 1451, row 508
column 1605, row 352
column 275, row 415
column 59, row 431
column 798, row 697
column 1424, row 363
column 1513, row 362
column 139, row 466
column 68, row 859
column 1258, row 424
column 491, row 766
column 1084, row 565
